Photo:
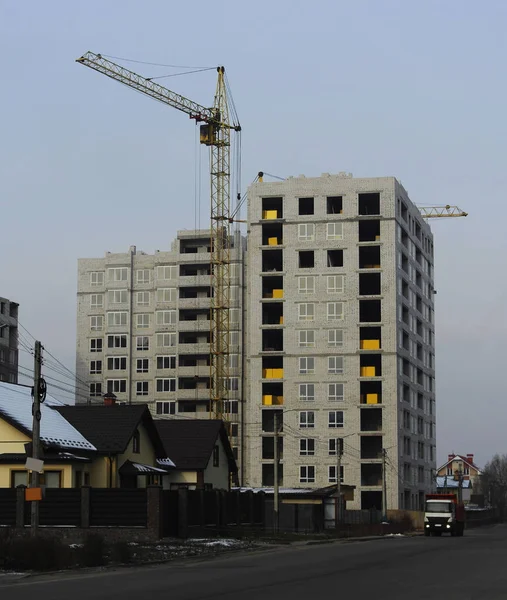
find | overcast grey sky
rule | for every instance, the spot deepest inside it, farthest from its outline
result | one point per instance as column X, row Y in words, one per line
column 413, row 89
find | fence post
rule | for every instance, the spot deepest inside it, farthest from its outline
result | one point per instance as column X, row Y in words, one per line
column 251, row 508
column 238, row 508
column 85, row 507
column 202, row 515
column 224, row 521
column 20, row 508
column 154, row 510
column 182, row 513
column 218, row 510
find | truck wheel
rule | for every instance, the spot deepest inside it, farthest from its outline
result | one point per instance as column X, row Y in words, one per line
column 461, row 529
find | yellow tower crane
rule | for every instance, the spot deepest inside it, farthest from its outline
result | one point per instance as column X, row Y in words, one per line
column 216, row 134
column 434, row 212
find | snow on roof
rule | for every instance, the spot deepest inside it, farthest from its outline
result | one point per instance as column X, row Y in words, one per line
column 166, row 462
column 16, row 406
column 451, row 482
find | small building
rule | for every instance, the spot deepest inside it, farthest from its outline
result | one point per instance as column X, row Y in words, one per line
column 459, row 465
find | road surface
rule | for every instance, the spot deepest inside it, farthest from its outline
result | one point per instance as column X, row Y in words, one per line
column 472, row 567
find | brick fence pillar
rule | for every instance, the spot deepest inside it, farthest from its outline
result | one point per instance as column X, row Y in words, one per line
column 85, row 507
column 182, row 513
column 154, row 510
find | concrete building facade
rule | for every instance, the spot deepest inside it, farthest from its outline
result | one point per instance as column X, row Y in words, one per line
column 340, row 338
column 8, row 341
column 143, row 329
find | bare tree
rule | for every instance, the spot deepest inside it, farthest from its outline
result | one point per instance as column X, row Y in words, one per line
column 494, row 483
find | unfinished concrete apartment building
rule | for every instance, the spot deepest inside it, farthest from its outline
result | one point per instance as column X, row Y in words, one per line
column 340, row 337
column 8, row 340
column 143, row 329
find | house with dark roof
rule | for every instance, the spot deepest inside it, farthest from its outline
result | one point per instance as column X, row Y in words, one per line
column 201, row 452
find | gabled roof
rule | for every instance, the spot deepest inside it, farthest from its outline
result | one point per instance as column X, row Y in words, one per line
column 16, row 409
column 189, row 443
column 110, row 428
column 463, row 459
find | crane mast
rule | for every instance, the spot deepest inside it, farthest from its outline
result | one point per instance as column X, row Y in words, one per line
column 216, row 134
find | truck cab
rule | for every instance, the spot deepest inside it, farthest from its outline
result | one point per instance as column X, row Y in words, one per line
column 443, row 514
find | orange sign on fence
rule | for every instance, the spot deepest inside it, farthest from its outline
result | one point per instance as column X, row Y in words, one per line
column 32, row 494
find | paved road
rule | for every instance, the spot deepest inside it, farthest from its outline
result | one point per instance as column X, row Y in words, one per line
column 472, row 567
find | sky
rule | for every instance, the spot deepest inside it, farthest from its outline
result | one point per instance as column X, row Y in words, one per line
column 397, row 88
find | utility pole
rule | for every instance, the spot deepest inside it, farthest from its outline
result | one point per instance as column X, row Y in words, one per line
column 460, row 486
column 384, row 486
column 339, row 451
column 275, row 474
column 37, row 388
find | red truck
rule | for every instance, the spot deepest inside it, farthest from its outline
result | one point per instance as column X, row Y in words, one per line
column 444, row 514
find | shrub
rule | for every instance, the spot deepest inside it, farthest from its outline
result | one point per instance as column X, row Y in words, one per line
column 26, row 553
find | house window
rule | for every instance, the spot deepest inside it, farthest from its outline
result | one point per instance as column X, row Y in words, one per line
column 142, row 365
column 306, row 447
column 233, row 361
column 96, row 323
column 306, row 365
column 306, row 338
column 166, row 317
column 96, row 345
column 117, row 296
column 335, row 338
column 306, row 284
column 335, row 365
column 166, row 340
column 166, row 408
column 332, row 474
column 117, row 274
column 96, row 300
column 117, row 319
column 166, row 362
column 216, row 456
column 95, row 367
column 335, row 392
column 234, row 315
column 335, row 284
column 166, row 385
column 117, row 386
column 143, row 321
column 116, row 341
column 166, row 295
column 334, row 231
column 97, row 278
column 143, row 298
column 95, row 389
column 306, row 474
column 167, row 272
column 335, row 418
column 19, row 478
column 117, row 363
column 234, row 430
column 306, row 232
column 143, row 276
column 136, row 442
column 335, row 311
column 233, row 338
column 142, row 388
column 306, row 311
column 306, row 419
column 143, row 343
column 333, row 445
column 307, row 392
column 232, row 384
column 449, row 471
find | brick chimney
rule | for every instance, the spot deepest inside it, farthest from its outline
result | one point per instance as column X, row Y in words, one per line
column 109, row 399
column 450, row 456
column 470, row 458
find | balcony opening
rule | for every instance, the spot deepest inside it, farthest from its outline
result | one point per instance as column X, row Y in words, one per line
column 306, row 259
column 420, row 401
column 404, row 289
column 420, row 377
column 272, row 394
column 419, row 303
column 268, row 448
column 370, row 392
column 194, row 315
column 419, row 328
column 306, row 206
column 371, row 447
column 268, row 420
column 268, row 475
column 272, row 287
column 406, row 368
column 195, row 246
column 420, row 352
column 371, row 500
column 404, row 263
column 406, row 393
column 418, row 233
column 405, row 341
column 369, row 257
column 272, row 208
column 370, row 338
column 335, row 258
column 370, row 311
column 369, row 284
column 272, row 260
column 418, row 279
column 404, row 212
column 195, row 270
column 194, row 360
column 272, row 340
column 370, row 365
column 193, row 406
column 371, row 474
column 404, row 238
column 272, row 313
column 418, row 256
column 371, row 419
column 369, row 204
column 369, row 231
column 193, row 383
column 187, row 293
column 405, row 315
column 190, row 337
column 272, row 234
column 334, row 205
